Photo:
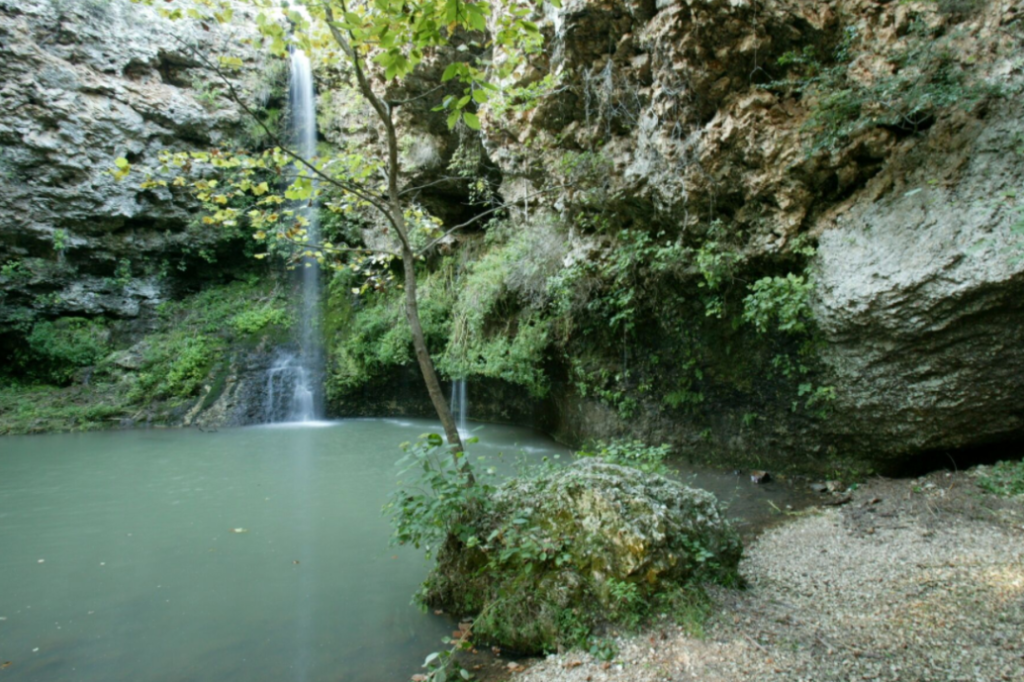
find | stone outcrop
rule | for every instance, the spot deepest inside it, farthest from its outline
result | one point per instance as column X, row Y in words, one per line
column 921, row 294
column 678, row 103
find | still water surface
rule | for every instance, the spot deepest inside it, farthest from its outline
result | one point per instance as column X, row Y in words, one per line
column 119, row 559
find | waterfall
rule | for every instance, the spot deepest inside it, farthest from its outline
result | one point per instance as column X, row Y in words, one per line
column 294, row 382
column 290, row 394
column 460, row 404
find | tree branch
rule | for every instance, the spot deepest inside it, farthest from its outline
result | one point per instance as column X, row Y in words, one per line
column 235, row 97
column 478, row 217
column 383, row 113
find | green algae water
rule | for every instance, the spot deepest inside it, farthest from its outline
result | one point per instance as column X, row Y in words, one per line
column 250, row 555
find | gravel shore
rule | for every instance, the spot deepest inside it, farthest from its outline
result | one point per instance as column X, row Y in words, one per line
column 911, row 580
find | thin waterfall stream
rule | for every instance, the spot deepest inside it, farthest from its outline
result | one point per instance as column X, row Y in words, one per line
column 295, row 380
column 460, row 404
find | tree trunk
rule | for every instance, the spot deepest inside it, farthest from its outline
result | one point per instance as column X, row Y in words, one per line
column 412, row 315
column 394, row 214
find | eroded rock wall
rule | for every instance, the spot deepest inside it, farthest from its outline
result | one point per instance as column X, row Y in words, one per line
column 83, row 83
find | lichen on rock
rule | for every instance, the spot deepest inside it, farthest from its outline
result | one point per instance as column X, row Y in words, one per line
column 552, row 546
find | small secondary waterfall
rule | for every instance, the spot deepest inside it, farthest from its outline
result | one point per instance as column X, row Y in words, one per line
column 460, row 404
column 294, row 382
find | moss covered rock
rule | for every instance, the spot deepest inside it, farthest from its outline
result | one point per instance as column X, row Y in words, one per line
column 562, row 551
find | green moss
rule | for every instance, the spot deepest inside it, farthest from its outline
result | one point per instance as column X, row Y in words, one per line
column 187, row 350
column 217, row 386
column 39, row 409
column 372, row 336
column 545, row 558
column 57, row 349
column 256, row 319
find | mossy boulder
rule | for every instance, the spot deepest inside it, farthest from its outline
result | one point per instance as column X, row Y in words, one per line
column 556, row 552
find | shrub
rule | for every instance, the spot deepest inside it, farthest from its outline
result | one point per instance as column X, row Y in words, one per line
column 58, row 349
column 780, row 303
column 188, row 368
column 255, row 319
column 921, row 78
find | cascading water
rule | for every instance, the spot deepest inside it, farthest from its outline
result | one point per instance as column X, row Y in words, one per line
column 290, row 395
column 294, row 381
column 460, row 404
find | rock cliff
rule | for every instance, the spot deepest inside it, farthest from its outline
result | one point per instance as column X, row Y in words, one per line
column 86, row 82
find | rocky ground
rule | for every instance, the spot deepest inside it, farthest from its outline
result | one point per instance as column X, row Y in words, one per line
column 912, row 579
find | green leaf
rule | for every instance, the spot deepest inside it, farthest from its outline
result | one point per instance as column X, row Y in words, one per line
column 231, row 62
column 477, row 22
column 450, row 72
column 471, row 120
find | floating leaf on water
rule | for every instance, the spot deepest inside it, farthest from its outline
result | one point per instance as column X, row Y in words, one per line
column 5, row 664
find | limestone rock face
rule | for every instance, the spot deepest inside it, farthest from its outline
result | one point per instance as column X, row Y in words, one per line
column 83, row 83
column 584, row 528
column 921, row 295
